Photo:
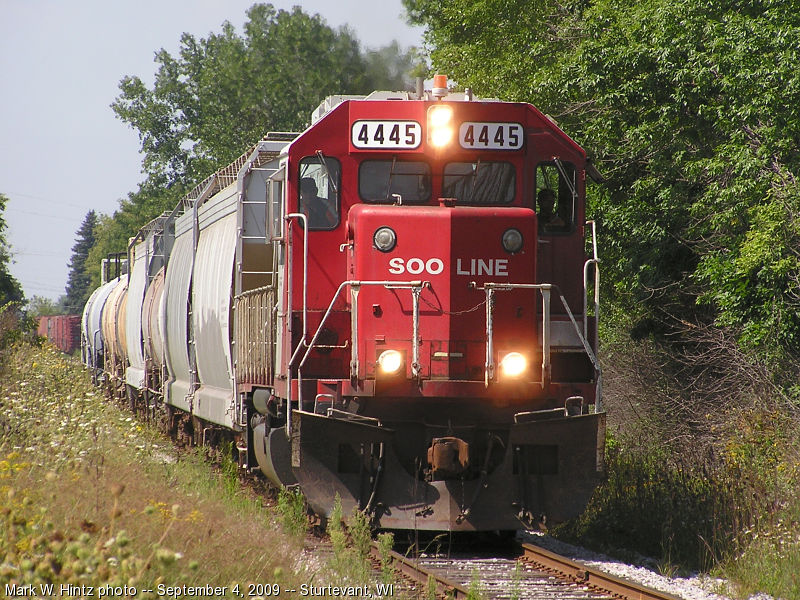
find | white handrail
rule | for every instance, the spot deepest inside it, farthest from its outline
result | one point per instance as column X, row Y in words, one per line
column 289, row 285
column 545, row 289
column 355, row 283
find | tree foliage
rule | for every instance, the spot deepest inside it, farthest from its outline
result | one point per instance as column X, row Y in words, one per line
column 39, row 306
column 112, row 233
column 691, row 108
column 10, row 289
column 219, row 95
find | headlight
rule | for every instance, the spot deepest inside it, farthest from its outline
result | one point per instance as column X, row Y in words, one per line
column 512, row 240
column 441, row 137
column 385, row 239
column 390, row 361
column 440, row 115
column 513, row 364
column 440, row 128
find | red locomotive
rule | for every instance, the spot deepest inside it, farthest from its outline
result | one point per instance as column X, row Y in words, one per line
column 378, row 309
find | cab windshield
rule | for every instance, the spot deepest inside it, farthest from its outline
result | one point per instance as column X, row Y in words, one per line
column 479, row 182
column 394, row 182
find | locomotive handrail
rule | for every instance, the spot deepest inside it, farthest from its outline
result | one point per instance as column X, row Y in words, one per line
column 416, row 287
column 595, row 262
column 545, row 289
column 289, row 286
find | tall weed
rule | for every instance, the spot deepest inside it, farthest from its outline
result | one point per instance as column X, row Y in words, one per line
column 350, row 544
column 292, row 510
column 691, row 509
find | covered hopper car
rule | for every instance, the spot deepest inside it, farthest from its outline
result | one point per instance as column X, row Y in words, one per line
column 397, row 306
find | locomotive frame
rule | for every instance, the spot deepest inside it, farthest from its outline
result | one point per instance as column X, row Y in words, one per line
column 374, row 309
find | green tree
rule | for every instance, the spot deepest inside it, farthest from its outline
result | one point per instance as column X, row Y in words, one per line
column 10, row 289
column 111, row 233
column 691, row 109
column 392, row 68
column 79, row 281
column 39, row 306
column 219, row 95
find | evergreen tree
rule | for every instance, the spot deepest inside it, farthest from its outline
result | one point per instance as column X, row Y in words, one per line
column 10, row 289
column 79, row 281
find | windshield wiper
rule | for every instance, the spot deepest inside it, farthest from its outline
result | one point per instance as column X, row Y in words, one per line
column 327, row 171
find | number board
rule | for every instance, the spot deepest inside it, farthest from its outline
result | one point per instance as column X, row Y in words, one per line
column 389, row 135
column 490, row 136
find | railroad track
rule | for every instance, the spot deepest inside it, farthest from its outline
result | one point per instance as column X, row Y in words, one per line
column 532, row 574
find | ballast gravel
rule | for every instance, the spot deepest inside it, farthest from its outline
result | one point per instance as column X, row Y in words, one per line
column 698, row 587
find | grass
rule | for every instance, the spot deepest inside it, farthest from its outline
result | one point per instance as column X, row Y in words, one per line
column 771, row 562
column 350, row 544
column 91, row 496
column 732, row 510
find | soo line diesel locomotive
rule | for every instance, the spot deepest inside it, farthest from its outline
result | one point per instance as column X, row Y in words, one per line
column 397, row 306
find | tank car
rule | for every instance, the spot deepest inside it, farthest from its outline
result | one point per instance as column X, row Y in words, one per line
column 378, row 309
column 91, row 341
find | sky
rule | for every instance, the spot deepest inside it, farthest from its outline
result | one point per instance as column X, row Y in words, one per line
column 62, row 150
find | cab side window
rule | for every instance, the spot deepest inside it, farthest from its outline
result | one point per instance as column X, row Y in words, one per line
column 318, row 191
column 556, row 197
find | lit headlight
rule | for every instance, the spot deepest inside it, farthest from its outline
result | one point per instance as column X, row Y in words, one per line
column 440, row 129
column 390, row 361
column 513, row 364
column 385, row 239
column 512, row 240
column 441, row 137
column 440, row 115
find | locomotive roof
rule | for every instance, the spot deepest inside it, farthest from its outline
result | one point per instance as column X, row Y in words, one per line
column 331, row 102
column 275, row 142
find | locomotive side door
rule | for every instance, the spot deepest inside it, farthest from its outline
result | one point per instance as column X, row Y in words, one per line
column 559, row 213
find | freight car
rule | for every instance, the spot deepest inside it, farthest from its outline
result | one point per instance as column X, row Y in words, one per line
column 378, row 309
column 63, row 331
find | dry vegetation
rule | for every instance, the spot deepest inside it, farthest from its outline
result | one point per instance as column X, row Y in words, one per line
column 703, row 464
column 90, row 496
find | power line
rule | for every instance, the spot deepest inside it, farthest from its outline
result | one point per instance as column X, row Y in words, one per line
column 36, row 214
column 58, row 202
column 20, row 253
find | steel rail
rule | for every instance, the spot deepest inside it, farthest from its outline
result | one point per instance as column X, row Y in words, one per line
column 591, row 577
column 445, row 588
